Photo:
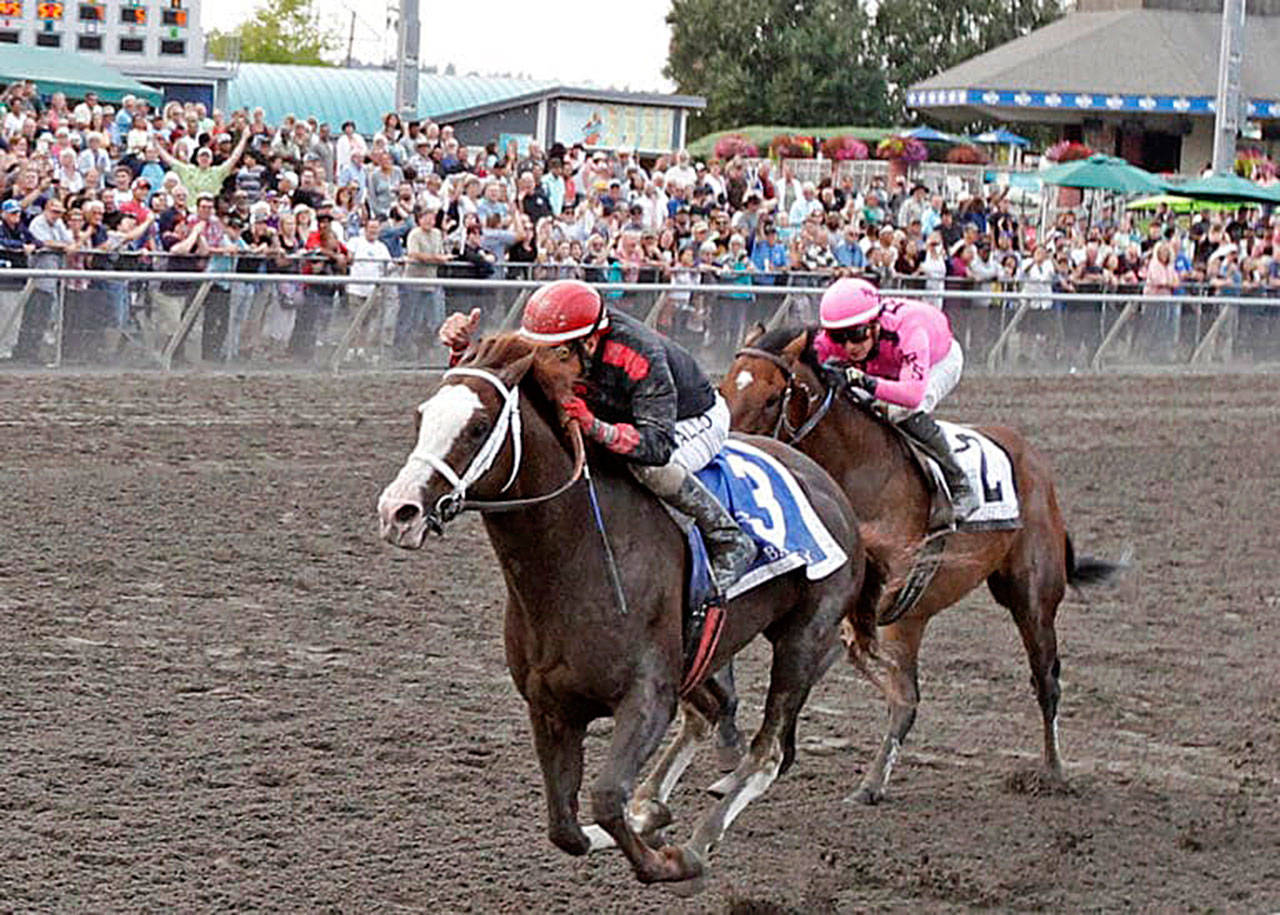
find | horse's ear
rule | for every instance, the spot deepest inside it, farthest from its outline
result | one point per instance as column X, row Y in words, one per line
column 795, row 348
column 513, row 372
column 754, row 333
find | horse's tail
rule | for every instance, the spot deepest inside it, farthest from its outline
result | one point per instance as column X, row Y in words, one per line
column 1083, row 571
column 858, row 630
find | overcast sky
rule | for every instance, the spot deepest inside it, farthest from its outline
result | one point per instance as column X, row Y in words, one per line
column 575, row 42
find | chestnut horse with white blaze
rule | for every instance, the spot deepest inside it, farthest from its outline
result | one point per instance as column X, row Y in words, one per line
column 582, row 643
column 775, row 386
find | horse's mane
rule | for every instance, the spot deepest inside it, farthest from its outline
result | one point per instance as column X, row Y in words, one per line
column 549, row 378
column 776, row 340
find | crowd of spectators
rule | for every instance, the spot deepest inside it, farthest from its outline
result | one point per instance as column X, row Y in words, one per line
column 184, row 189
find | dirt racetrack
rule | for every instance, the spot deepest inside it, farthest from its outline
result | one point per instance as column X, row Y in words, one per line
column 220, row 691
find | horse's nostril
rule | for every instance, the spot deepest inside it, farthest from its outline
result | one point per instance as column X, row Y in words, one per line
column 406, row 513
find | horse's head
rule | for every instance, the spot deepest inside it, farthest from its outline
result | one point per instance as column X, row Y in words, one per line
column 468, row 440
column 771, row 387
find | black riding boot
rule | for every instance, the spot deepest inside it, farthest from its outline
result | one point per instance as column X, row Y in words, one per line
column 729, row 549
column 922, row 428
column 730, row 552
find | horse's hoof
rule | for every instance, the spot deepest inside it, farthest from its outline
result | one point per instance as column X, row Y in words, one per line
column 676, row 864
column 598, row 839
column 728, row 756
column 864, row 795
column 1038, row 782
column 571, row 840
column 648, row 816
column 722, row 786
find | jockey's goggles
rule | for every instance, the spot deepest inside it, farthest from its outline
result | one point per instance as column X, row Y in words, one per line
column 856, row 334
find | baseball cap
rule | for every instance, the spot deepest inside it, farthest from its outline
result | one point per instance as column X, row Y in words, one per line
column 10, row 206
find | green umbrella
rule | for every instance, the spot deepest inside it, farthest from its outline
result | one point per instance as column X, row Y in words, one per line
column 1225, row 189
column 1175, row 203
column 1105, row 173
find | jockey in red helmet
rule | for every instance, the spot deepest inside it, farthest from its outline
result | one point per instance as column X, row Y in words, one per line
column 644, row 398
column 901, row 352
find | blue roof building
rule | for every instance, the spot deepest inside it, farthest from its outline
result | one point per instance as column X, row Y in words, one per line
column 480, row 108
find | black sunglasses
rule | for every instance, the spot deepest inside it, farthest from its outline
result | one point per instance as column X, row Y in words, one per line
column 843, row 335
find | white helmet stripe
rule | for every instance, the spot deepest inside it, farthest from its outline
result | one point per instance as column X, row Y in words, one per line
column 861, row 317
column 564, row 335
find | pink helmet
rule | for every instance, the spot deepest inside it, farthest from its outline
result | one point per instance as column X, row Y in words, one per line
column 849, row 302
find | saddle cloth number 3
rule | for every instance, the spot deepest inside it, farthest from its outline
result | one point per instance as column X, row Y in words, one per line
column 773, row 530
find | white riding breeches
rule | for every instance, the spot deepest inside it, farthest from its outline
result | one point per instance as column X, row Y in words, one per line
column 943, row 378
column 700, row 438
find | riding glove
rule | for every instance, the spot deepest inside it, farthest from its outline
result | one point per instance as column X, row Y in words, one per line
column 856, row 378
column 621, row 438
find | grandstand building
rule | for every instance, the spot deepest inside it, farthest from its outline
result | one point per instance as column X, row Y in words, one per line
column 1133, row 78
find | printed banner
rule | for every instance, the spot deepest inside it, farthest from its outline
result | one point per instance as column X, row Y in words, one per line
column 596, row 124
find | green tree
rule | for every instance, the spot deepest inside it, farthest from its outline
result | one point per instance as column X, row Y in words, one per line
column 278, row 32
column 919, row 38
column 799, row 62
column 814, row 63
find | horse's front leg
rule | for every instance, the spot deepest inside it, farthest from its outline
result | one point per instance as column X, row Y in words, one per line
column 901, row 645
column 648, row 808
column 640, row 721
column 559, row 746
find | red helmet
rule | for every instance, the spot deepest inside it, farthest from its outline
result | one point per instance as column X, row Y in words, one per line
column 563, row 310
column 849, row 302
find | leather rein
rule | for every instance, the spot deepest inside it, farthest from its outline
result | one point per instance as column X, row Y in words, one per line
column 793, row 387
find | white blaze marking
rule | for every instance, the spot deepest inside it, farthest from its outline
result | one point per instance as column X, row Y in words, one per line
column 444, row 417
column 743, row 380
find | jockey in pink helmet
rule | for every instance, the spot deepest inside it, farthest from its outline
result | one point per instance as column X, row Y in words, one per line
column 901, row 352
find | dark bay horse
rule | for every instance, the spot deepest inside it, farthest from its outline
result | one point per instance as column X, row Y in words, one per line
column 775, row 386
column 576, row 652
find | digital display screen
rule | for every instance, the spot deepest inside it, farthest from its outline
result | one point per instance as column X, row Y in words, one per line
column 10, row 9
column 92, row 12
column 133, row 15
column 174, row 17
column 48, row 10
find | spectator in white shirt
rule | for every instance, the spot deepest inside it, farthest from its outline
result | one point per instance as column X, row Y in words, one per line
column 369, row 260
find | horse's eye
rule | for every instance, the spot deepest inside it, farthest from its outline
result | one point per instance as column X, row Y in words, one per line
column 773, row 400
column 478, row 429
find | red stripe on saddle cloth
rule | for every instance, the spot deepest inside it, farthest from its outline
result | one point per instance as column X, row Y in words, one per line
column 712, row 627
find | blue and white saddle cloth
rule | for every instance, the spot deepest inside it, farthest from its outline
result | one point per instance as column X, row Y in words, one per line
column 770, row 505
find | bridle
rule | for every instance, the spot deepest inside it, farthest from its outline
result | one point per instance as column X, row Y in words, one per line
column 454, row 502
column 793, row 386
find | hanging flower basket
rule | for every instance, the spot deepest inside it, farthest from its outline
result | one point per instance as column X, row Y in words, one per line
column 1255, row 165
column 967, row 155
column 907, row 150
column 791, row 146
column 735, row 144
column 1067, row 151
column 844, row 148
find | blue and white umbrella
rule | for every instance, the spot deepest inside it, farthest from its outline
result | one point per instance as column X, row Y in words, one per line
column 927, row 134
column 1001, row 137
